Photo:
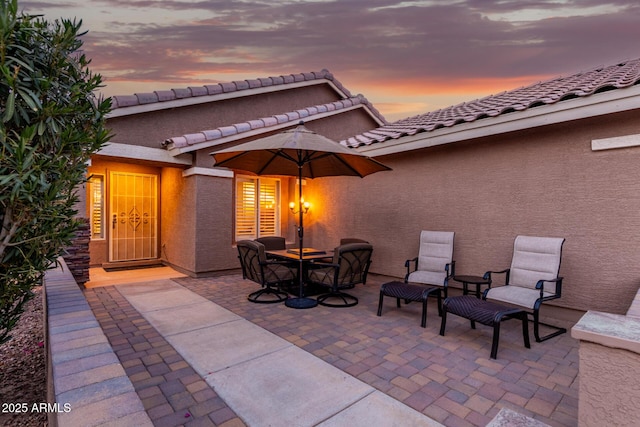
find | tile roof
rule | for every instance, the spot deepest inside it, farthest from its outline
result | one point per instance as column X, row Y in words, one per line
column 617, row 76
column 239, row 86
column 266, row 122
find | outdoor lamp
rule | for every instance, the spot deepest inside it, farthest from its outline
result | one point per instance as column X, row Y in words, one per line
column 304, row 207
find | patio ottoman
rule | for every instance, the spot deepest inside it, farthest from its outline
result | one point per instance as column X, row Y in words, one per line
column 409, row 292
column 485, row 312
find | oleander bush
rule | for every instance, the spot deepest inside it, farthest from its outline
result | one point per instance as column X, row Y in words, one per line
column 51, row 121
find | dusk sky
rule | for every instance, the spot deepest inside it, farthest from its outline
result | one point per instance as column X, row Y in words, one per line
column 406, row 57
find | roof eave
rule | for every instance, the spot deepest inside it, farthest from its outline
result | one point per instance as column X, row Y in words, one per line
column 574, row 109
column 175, row 151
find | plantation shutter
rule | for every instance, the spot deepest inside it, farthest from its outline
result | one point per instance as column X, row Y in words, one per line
column 269, row 202
column 257, row 207
column 246, row 209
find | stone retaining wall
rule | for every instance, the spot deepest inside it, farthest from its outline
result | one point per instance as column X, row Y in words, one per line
column 77, row 254
column 86, row 379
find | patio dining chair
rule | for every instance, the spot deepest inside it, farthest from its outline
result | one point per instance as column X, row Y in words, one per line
column 532, row 279
column 272, row 243
column 347, row 240
column 270, row 274
column 350, row 266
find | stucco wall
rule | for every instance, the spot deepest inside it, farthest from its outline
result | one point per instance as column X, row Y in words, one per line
column 178, row 233
column 545, row 182
column 609, row 390
column 151, row 129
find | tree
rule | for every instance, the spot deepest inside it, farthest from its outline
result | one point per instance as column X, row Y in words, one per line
column 51, row 121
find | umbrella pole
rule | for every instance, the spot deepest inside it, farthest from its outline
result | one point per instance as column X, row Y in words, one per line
column 301, row 301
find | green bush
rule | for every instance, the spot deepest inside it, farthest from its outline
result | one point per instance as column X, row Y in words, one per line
column 51, row 121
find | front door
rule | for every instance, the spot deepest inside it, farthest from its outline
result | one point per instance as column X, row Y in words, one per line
column 133, row 215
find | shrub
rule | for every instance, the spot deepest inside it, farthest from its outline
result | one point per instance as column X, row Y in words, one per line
column 51, row 121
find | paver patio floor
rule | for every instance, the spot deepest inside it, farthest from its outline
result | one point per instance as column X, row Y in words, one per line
column 451, row 379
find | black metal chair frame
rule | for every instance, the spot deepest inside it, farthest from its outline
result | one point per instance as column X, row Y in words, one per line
column 535, row 313
column 357, row 273
column 257, row 272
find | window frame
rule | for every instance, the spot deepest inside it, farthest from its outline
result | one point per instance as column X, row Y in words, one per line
column 101, row 206
column 250, row 216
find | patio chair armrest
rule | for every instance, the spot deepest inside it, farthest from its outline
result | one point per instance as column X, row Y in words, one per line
column 450, row 268
column 487, row 276
column 407, row 265
column 557, row 281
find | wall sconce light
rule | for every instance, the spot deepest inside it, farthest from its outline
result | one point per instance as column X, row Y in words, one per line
column 303, row 207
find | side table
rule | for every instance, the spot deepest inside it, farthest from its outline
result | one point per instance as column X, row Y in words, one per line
column 471, row 280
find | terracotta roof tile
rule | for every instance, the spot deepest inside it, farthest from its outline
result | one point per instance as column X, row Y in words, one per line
column 228, row 87
column 165, row 95
column 254, row 83
column 228, row 130
column 147, row 98
column 214, row 89
column 281, row 118
column 270, row 121
column 212, row 134
column 582, row 84
column 303, row 112
column 194, row 138
column 197, row 90
column 241, row 84
column 256, row 124
column 124, row 101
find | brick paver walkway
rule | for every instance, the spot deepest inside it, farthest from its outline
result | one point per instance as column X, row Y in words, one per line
column 172, row 393
column 450, row 379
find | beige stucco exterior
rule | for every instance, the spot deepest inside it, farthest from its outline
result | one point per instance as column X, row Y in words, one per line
column 545, row 181
column 196, row 201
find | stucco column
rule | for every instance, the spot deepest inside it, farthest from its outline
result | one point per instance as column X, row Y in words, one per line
column 609, row 371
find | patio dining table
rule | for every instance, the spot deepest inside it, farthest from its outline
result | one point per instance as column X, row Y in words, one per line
column 308, row 255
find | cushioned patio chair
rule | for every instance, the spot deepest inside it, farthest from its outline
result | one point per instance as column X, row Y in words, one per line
column 350, row 266
column 270, row 274
column 532, row 279
column 427, row 275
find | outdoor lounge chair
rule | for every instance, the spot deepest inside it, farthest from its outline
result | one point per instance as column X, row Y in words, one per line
column 532, row 279
column 433, row 267
column 349, row 267
column 270, row 274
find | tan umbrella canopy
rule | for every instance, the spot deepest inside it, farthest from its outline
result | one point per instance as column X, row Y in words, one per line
column 297, row 151
column 301, row 153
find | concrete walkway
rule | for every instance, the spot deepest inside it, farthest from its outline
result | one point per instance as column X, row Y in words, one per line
column 255, row 372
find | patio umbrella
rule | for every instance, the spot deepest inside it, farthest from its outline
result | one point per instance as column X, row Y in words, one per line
column 301, row 153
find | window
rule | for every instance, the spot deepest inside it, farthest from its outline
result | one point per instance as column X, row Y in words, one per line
column 257, row 207
column 96, row 206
